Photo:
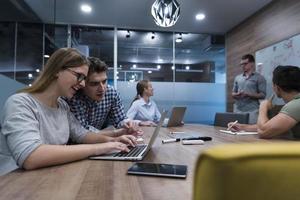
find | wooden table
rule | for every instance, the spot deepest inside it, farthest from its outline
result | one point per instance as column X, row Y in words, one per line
column 95, row 179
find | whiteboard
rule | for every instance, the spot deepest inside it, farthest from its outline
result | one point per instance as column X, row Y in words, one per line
column 286, row 52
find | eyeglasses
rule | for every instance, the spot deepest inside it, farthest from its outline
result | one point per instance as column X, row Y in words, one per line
column 243, row 64
column 80, row 77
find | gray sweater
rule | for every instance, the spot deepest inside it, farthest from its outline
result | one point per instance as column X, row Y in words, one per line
column 26, row 124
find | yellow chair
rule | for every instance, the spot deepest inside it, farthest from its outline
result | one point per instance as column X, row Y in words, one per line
column 256, row 171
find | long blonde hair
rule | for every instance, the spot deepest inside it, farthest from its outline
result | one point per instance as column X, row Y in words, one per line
column 61, row 59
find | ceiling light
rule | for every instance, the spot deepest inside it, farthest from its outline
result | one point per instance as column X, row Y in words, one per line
column 149, row 72
column 200, row 16
column 134, row 66
column 30, row 85
column 86, row 8
column 127, row 34
column 158, row 67
column 152, row 35
column 37, row 70
column 179, row 38
column 187, row 67
column 29, row 75
column 172, row 67
column 46, row 56
column 165, row 12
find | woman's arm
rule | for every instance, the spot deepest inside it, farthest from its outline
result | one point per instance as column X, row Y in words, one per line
column 49, row 155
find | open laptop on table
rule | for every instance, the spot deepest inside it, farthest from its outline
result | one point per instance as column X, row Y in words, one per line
column 176, row 117
column 136, row 153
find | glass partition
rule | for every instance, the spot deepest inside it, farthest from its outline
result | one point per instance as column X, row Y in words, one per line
column 7, row 48
column 96, row 42
column 29, row 57
column 185, row 69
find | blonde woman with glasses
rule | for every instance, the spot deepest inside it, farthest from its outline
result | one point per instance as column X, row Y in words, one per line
column 36, row 122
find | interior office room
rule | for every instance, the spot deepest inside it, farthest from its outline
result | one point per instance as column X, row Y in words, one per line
column 191, row 52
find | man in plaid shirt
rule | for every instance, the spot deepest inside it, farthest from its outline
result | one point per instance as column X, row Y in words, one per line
column 98, row 103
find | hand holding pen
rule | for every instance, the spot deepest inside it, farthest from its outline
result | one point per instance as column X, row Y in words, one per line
column 231, row 125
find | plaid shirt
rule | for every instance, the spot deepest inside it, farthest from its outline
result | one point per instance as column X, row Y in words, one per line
column 94, row 114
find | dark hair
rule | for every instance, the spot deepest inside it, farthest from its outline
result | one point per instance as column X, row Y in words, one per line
column 249, row 57
column 60, row 60
column 140, row 87
column 287, row 78
column 96, row 65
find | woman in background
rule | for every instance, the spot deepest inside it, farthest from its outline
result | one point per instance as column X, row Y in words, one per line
column 37, row 123
column 143, row 109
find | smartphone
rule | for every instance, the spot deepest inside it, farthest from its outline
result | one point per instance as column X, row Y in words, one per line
column 158, row 169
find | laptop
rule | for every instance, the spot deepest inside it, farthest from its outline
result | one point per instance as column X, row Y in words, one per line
column 136, row 153
column 176, row 117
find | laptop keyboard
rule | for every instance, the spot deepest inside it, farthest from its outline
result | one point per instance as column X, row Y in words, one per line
column 134, row 151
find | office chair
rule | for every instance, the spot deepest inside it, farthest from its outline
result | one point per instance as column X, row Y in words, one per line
column 222, row 119
column 260, row 171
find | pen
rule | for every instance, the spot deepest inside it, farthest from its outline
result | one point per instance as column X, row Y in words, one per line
column 176, row 132
column 170, row 140
column 204, row 138
column 234, row 123
column 272, row 97
column 192, row 142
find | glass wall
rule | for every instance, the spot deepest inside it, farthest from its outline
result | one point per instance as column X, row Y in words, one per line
column 182, row 71
column 96, row 42
column 7, row 48
column 29, row 57
column 184, row 68
column 55, row 37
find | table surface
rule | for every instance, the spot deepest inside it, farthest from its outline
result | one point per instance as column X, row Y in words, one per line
column 96, row 179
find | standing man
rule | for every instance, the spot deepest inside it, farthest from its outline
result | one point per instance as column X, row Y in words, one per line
column 98, row 103
column 248, row 88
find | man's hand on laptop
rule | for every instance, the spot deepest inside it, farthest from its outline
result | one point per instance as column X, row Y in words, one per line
column 127, row 139
column 132, row 128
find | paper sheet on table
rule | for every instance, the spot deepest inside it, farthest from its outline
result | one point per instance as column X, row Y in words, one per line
column 239, row 132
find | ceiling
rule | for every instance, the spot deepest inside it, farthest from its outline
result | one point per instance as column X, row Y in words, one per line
column 221, row 15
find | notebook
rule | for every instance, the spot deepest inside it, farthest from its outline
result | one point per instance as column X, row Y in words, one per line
column 239, row 132
column 176, row 117
column 136, row 153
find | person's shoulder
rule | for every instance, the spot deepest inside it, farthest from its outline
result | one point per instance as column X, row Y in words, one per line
column 20, row 102
column 293, row 105
column 239, row 76
column 259, row 75
column 111, row 90
column 19, row 98
column 62, row 103
column 137, row 102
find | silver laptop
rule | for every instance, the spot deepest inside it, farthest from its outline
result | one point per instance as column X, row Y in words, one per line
column 136, row 153
column 176, row 117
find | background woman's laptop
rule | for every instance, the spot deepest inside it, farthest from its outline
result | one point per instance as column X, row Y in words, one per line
column 136, row 153
column 176, row 117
